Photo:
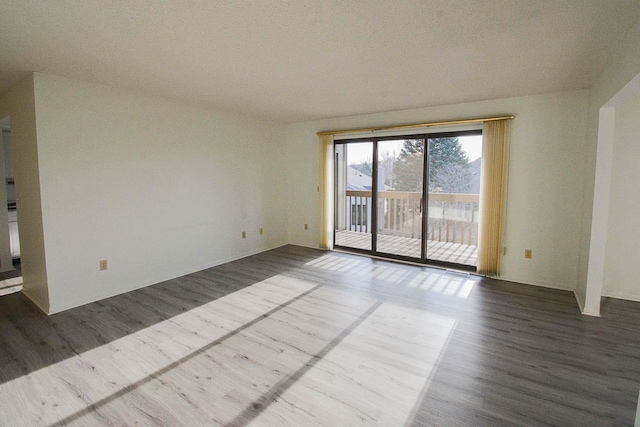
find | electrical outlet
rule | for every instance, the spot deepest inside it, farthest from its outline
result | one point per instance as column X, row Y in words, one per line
column 244, row 234
column 527, row 253
column 103, row 264
column 260, row 230
column 306, row 226
column 504, row 250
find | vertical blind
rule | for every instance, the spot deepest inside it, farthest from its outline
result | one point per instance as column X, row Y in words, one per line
column 326, row 193
column 492, row 186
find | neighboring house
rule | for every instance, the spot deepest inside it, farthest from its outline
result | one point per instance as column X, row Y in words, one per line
column 358, row 210
column 358, row 180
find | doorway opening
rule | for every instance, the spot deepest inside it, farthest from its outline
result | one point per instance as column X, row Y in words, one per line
column 10, row 266
column 414, row 198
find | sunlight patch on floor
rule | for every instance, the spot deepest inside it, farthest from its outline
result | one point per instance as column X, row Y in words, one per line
column 297, row 351
column 9, row 286
column 110, row 368
column 390, row 357
column 459, row 286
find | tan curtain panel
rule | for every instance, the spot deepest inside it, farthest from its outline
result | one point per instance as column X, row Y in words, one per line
column 326, row 192
column 492, row 189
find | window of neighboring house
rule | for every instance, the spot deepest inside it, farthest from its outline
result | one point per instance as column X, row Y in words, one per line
column 359, row 214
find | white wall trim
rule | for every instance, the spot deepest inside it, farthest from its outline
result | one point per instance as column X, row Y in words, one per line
column 541, row 284
column 626, row 93
column 637, row 421
column 579, row 298
column 306, row 245
column 600, row 216
column 53, row 310
column 44, row 308
column 602, row 195
column 622, row 296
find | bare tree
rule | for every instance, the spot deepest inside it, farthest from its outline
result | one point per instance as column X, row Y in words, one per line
column 448, row 166
column 451, row 178
column 387, row 161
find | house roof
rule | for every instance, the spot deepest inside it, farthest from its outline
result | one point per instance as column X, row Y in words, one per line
column 292, row 61
column 357, row 180
column 360, row 181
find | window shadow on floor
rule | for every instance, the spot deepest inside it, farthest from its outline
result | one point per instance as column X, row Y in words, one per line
column 31, row 340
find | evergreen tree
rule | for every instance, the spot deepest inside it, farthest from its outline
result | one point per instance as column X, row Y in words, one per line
column 448, row 166
column 408, row 167
column 445, row 151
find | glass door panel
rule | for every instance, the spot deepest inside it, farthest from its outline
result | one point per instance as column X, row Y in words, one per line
column 400, row 169
column 353, row 204
column 454, row 193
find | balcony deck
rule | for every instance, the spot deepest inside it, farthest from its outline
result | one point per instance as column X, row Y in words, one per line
column 457, row 253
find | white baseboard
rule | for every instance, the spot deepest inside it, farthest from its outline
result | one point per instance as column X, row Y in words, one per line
column 156, row 280
column 38, row 303
column 548, row 285
column 637, row 422
column 579, row 300
column 304, row 245
column 626, row 297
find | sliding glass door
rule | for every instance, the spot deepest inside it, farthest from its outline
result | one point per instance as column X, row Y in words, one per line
column 413, row 198
column 353, row 197
column 399, row 197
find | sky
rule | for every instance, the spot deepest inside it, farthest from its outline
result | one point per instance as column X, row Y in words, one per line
column 471, row 145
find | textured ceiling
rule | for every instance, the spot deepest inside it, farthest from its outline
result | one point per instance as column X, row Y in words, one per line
column 307, row 59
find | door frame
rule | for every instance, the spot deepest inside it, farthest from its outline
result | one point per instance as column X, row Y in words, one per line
column 426, row 136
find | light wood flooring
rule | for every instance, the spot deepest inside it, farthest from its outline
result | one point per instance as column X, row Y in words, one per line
column 11, row 281
column 301, row 337
column 456, row 253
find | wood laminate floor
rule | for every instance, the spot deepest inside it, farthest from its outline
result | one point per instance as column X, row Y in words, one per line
column 300, row 337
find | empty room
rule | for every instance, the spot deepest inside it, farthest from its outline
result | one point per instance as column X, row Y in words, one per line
column 330, row 213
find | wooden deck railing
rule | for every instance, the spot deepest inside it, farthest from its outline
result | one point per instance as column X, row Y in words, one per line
column 452, row 217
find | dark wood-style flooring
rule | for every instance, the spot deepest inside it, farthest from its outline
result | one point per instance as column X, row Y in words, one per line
column 297, row 336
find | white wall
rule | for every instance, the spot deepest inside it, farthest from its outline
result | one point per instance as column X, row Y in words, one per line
column 544, row 199
column 622, row 259
column 623, row 67
column 19, row 104
column 156, row 187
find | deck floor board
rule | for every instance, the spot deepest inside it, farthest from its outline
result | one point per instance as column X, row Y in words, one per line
column 456, row 253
